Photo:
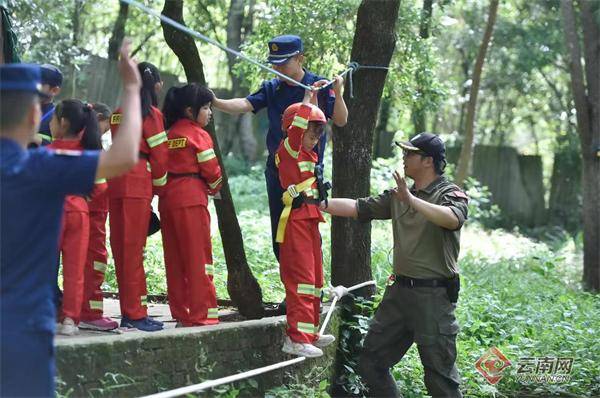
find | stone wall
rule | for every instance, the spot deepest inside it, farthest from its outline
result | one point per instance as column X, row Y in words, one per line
column 136, row 363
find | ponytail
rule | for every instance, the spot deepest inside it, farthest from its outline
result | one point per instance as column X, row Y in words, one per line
column 150, row 76
column 82, row 119
column 178, row 99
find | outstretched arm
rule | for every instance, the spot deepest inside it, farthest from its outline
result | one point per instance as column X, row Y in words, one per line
column 340, row 207
column 234, row 105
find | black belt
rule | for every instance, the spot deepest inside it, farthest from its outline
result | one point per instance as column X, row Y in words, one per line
column 182, row 175
column 143, row 155
column 412, row 282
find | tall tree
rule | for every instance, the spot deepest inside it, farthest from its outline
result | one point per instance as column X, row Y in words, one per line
column 466, row 152
column 419, row 112
column 241, row 284
column 118, row 32
column 585, row 87
column 374, row 43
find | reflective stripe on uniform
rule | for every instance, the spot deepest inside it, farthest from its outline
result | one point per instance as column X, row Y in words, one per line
column 100, row 266
column 209, row 269
column 148, row 167
column 306, row 166
column 317, row 292
column 45, row 137
column 213, row 313
column 300, row 122
column 159, row 182
column 304, row 288
column 100, row 181
column 215, row 184
column 306, row 327
column 157, row 139
column 96, row 305
column 205, row 156
column 144, row 300
column 287, row 200
column 289, row 149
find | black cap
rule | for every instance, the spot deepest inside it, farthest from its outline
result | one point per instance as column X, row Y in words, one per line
column 51, row 75
column 430, row 144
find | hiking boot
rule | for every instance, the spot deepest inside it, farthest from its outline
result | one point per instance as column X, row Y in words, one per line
column 143, row 324
column 324, row 340
column 155, row 321
column 68, row 328
column 301, row 349
column 102, row 324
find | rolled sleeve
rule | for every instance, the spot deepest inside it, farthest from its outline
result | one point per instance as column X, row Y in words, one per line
column 258, row 99
column 374, row 207
column 458, row 202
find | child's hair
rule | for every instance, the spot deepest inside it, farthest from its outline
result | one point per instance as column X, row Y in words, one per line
column 191, row 95
column 102, row 110
column 81, row 117
column 150, row 76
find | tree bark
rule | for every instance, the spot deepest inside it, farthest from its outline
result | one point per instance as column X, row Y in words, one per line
column 118, row 33
column 587, row 105
column 418, row 113
column 466, row 152
column 241, row 284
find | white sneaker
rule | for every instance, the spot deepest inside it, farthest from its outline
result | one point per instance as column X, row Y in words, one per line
column 68, row 328
column 324, row 340
column 301, row 349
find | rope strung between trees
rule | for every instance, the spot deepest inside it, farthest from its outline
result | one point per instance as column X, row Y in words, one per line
column 352, row 66
column 254, row 372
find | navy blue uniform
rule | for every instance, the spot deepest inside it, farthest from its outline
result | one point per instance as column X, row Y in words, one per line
column 44, row 130
column 276, row 96
column 33, row 188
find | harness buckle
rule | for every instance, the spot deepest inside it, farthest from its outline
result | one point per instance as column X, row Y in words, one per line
column 293, row 191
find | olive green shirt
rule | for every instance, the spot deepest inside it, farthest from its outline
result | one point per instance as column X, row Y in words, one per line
column 422, row 249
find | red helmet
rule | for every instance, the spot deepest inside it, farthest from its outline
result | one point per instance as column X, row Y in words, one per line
column 316, row 114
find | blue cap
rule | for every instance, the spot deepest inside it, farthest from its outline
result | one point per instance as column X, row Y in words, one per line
column 282, row 48
column 51, row 75
column 21, row 77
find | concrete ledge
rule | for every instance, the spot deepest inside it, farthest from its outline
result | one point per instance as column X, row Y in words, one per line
column 139, row 363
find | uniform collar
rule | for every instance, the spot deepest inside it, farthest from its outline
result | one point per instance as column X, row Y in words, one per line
column 432, row 186
column 66, row 144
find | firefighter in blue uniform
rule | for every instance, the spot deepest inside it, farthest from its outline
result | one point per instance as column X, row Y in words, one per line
column 34, row 185
column 286, row 55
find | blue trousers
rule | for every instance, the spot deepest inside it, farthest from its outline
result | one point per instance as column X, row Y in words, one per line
column 274, row 191
column 26, row 364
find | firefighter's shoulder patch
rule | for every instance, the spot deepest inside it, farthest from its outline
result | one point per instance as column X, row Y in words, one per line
column 115, row 118
column 177, row 143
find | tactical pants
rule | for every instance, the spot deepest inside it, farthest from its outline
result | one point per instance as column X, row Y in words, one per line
column 424, row 316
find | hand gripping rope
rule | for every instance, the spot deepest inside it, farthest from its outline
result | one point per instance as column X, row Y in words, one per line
column 352, row 66
column 337, row 292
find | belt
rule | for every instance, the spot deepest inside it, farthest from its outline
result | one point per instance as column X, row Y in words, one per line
column 293, row 191
column 182, row 175
column 405, row 281
column 143, row 155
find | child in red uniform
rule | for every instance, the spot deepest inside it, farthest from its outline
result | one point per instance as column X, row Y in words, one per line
column 129, row 205
column 74, row 128
column 97, row 256
column 193, row 174
column 300, row 253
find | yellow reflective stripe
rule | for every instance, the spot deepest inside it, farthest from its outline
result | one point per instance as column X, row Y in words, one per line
column 157, row 139
column 148, row 167
column 314, row 192
column 277, row 161
column 213, row 313
column 318, row 292
column 289, row 149
column 209, row 269
column 300, row 122
column 305, row 327
column 287, row 207
column 96, row 305
column 100, row 181
column 99, row 266
column 45, row 137
column 161, row 181
column 205, row 156
column 144, row 300
column 306, row 166
column 304, row 288
column 213, row 185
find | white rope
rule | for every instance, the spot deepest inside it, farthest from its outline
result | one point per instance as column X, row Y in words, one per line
column 250, row 373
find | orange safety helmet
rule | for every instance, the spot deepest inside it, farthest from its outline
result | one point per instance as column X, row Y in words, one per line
column 316, row 114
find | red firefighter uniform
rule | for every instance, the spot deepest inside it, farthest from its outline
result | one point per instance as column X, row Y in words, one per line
column 129, row 205
column 97, row 255
column 298, row 232
column 73, row 243
column 194, row 173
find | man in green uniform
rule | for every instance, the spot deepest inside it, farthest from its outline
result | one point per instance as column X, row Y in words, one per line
column 420, row 299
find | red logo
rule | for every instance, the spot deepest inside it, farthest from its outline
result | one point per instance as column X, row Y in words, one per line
column 491, row 365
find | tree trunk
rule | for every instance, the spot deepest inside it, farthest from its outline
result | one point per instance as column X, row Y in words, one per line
column 241, row 284
column 383, row 138
column 374, row 43
column 466, row 152
column 418, row 113
column 118, row 33
column 587, row 105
